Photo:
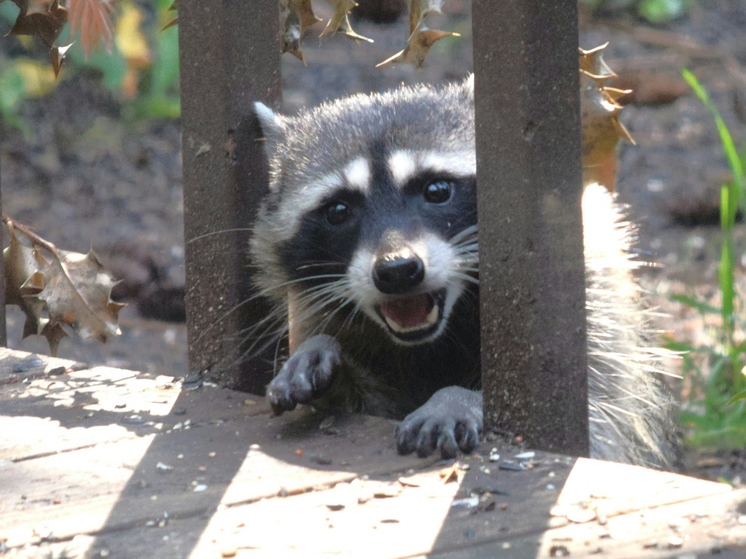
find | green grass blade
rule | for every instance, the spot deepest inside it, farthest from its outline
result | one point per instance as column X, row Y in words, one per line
column 694, row 303
column 737, row 397
column 731, row 153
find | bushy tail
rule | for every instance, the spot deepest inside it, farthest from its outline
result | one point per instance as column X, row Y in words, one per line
column 631, row 412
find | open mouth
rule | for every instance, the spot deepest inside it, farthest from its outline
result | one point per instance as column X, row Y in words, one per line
column 413, row 317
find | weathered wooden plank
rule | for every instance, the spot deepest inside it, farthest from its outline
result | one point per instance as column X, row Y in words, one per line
column 388, row 519
column 715, row 533
column 532, row 289
column 289, row 486
column 47, row 413
column 694, row 528
column 111, row 486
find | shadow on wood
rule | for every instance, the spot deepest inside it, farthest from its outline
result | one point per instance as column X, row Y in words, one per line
column 141, row 466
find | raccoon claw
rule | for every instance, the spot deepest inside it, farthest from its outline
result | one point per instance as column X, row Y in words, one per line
column 450, row 420
column 306, row 375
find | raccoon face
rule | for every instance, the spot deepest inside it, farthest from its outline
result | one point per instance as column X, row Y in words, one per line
column 381, row 220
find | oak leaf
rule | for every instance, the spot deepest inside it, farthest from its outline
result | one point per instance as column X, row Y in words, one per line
column 305, row 14
column 418, row 46
column 21, row 263
column 600, row 125
column 291, row 30
column 58, row 290
column 77, row 292
column 58, row 56
column 340, row 21
column 45, row 24
column 420, row 9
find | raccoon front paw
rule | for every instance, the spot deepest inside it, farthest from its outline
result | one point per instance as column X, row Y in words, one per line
column 306, row 375
column 450, row 420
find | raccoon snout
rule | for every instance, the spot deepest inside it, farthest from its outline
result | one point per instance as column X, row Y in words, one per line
column 395, row 276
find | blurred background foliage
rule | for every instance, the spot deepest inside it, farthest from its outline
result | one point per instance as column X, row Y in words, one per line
column 142, row 69
column 653, row 11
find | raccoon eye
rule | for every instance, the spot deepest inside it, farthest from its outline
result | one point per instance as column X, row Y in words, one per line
column 438, row 192
column 337, row 213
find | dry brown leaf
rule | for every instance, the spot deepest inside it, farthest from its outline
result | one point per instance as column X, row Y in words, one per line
column 20, row 265
column 420, row 9
column 340, row 21
column 347, row 31
column 601, row 128
column 58, row 55
column 418, row 47
column 46, row 24
column 77, row 291
column 68, row 289
column 305, row 14
column 290, row 30
column 93, row 18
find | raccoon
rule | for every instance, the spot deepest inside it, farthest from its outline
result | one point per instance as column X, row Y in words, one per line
column 369, row 237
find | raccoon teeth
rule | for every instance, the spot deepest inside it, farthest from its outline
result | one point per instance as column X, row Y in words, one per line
column 430, row 319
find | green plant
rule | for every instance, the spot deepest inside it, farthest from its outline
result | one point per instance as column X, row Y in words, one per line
column 142, row 66
column 720, row 416
column 654, row 11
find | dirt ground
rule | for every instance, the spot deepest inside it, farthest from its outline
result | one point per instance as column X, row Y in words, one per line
column 83, row 177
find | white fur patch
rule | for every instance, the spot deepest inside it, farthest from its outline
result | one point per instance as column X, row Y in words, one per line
column 459, row 163
column 405, row 164
column 357, row 173
column 441, row 264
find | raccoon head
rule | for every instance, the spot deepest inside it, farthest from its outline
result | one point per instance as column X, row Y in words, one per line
column 372, row 209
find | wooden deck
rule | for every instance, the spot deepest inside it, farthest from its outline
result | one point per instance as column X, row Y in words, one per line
column 114, row 463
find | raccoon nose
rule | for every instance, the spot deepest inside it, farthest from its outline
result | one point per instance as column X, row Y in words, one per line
column 398, row 275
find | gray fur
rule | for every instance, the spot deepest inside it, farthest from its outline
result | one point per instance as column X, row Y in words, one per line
column 630, row 410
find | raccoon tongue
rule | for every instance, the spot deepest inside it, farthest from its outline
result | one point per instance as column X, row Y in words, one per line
column 408, row 312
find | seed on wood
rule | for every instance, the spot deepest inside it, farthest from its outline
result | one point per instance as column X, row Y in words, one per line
column 525, row 455
column 581, row 516
column 558, row 551
column 675, row 541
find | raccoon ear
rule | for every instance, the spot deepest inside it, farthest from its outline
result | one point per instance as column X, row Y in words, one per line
column 273, row 127
column 469, row 86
